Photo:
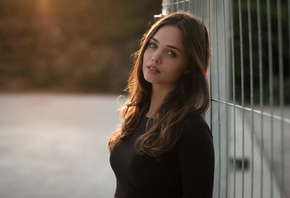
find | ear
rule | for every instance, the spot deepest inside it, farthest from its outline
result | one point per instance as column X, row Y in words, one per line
column 187, row 71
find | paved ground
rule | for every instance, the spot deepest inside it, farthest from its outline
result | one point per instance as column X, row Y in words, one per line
column 56, row 146
column 276, row 148
column 263, row 180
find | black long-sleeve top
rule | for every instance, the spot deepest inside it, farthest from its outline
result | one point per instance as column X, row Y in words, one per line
column 186, row 171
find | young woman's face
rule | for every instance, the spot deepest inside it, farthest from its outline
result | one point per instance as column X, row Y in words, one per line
column 165, row 59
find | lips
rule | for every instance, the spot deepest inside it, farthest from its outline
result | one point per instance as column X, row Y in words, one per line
column 153, row 69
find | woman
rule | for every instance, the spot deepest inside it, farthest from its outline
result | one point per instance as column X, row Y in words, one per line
column 164, row 147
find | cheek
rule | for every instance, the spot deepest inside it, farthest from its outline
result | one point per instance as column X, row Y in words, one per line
column 146, row 56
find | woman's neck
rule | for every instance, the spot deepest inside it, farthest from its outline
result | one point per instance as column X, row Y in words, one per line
column 157, row 97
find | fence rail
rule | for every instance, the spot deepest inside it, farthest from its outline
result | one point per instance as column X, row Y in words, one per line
column 250, row 93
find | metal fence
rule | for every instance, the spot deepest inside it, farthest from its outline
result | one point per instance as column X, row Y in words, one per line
column 250, row 93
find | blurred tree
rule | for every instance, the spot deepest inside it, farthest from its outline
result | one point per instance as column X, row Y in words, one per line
column 81, row 46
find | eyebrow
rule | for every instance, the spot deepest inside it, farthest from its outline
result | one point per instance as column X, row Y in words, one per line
column 170, row 46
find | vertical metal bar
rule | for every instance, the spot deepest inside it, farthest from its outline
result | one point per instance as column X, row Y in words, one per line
column 203, row 13
column 165, row 7
column 251, row 95
column 168, row 6
column 218, row 95
column 234, row 95
column 281, row 91
column 242, row 96
column 195, row 8
column 183, row 6
column 226, row 99
column 270, row 89
column 210, row 68
column 261, row 94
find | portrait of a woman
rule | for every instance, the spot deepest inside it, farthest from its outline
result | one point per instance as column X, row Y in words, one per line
column 164, row 148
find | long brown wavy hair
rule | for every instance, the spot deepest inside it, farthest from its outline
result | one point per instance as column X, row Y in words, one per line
column 191, row 95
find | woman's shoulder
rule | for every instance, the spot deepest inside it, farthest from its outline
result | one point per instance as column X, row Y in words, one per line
column 195, row 125
column 195, row 136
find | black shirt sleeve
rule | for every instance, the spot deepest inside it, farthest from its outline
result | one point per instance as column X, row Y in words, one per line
column 196, row 158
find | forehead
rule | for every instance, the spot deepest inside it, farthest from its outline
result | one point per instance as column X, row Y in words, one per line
column 170, row 35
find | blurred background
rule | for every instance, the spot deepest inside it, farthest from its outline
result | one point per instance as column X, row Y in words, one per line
column 64, row 46
column 63, row 65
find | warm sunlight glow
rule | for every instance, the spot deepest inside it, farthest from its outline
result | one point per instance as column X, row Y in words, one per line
column 43, row 6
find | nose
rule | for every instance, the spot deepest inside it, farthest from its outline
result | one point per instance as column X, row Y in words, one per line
column 156, row 57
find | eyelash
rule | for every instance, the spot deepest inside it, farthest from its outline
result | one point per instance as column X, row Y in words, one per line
column 170, row 53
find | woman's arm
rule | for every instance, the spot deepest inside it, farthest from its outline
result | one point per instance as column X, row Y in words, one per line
column 196, row 158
